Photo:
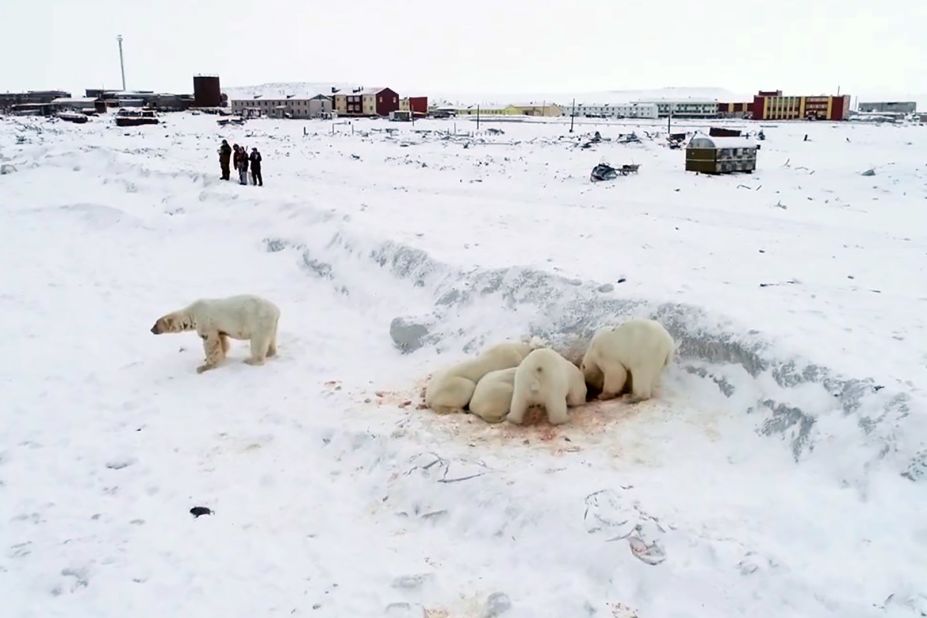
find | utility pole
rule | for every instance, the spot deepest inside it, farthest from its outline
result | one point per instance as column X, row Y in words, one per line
column 572, row 114
column 669, row 121
column 122, row 67
column 477, row 119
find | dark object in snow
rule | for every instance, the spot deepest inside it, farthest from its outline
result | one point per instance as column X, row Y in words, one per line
column 7, row 168
column 603, row 171
column 761, row 136
column 135, row 117
column 493, row 131
column 200, row 510
column 622, row 280
column 722, row 132
column 407, row 336
column 869, row 172
column 630, row 138
column 720, row 155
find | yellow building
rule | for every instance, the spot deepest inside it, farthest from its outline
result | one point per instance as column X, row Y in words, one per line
column 488, row 110
column 545, row 109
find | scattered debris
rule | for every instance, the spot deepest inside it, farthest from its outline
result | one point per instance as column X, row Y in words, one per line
column 789, row 282
column 603, row 171
column 7, row 168
column 200, row 510
column 869, row 172
column 648, row 553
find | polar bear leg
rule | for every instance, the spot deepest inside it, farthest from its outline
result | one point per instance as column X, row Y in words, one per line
column 212, row 345
column 615, row 378
column 556, row 409
column 224, row 339
column 592, row 373
column 260, row 342
column 272, row 347
column 576, row 396
column 519, row 407
column 643, row 381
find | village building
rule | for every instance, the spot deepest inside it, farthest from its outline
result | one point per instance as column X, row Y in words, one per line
column 772, row 105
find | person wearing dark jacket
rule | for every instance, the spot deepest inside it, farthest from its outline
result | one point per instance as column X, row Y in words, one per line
column 256, row 178
column 243, row 166
column 225, row 153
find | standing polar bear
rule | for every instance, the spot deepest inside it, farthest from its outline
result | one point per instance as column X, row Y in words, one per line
column 492, row 397
column 639, row 347
column 546, row 378
column 450, row 390
column 217, row 319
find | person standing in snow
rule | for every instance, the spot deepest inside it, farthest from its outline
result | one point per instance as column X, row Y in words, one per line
column 243, row 166
column 236, row 158
column 225, row 153
column 256, row 178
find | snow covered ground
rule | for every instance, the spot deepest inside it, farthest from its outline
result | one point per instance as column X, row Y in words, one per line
column 781, row 472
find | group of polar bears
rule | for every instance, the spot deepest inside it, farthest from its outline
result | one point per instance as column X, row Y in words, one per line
column 500, row 384
column 508, row 378
column 216, row 320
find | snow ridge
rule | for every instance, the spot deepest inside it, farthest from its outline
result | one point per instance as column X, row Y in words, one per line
column 790, row 397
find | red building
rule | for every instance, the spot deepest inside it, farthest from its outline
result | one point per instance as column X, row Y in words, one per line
column 416, row 105
column 379, row 101
column 771, row 105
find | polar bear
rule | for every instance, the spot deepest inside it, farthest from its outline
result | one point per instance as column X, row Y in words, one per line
column 492, row 397
column 450, row 390
column 639, row 347
column 217, row 319
column 546, row 378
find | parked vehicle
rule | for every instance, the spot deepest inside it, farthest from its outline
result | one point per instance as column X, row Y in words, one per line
column 135, row 117
column 75, row 117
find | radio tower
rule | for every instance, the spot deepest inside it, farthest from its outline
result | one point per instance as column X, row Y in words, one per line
column 122, row 67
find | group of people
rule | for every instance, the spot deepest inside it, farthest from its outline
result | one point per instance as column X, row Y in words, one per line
column 242, row 160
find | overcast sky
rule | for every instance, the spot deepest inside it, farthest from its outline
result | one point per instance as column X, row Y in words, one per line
column 800, row 46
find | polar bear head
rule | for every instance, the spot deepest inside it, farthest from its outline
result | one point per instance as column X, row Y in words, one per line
column 176, row 322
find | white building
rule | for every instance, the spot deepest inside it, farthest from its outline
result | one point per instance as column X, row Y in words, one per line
column 617, row 110
column 289, row 107
column 636, row 110
column 684, row 108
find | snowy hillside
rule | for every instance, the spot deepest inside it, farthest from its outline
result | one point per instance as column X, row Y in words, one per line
column 781, row 471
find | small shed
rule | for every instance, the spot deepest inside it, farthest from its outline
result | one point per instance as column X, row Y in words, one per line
column 720, row 155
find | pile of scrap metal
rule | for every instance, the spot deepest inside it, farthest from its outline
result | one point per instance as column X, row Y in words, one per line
column 676, row 140
column 604, row 171
column 630, row 138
